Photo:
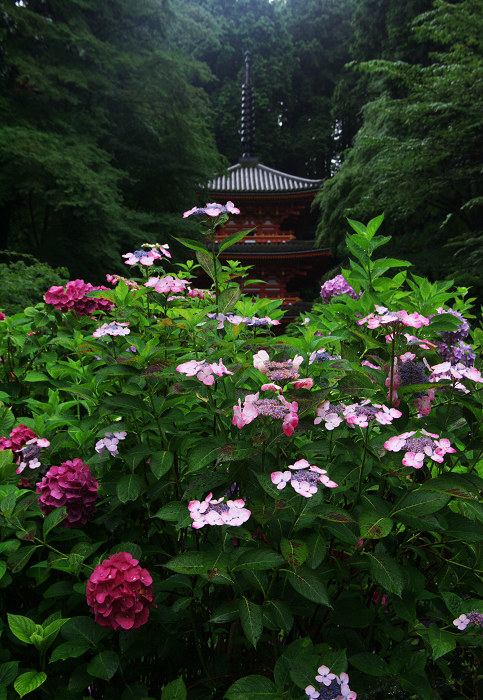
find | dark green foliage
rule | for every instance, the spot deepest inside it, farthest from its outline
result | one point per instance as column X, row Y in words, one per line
column 25, row 280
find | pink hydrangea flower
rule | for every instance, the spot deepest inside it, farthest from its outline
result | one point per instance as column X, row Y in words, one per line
column 363, row 413
column 112, row 329
column 115, row 279
column 215, row 512
column 26, row 447
column 2, row 316
column 330, row 414
column 203, row 370
column 146, row 257
column 330, row 686
column 167, row 285
column 73, row 298
column 453, row 373
column 277, row 371
column 71, row 485
column 213, row 209
column 243, row 415
column 419, row 444
column 119, row 592
column 383, row 317
column 304, row 478
column 278, row 408
column 306, row 383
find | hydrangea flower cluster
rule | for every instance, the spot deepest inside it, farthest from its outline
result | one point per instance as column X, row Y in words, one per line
column 452, row 337
column 408, row 371
column 115, row 279
column 473, row 617
column 167, row 285
column 235, row 320
column 71, row 485
column 330, row 686
column 419, row 444
column 445, row 370
column 278, row 408
column 396, row 319
column 2, row 316
column 335, row 287
column 73, row 298
column 304, row 478
column 109, row 442
column 201, row 294
column 277, row 371
column 212, row 511
column 26, row 447
column 146, row 257
column 458, row 353
column 360, row 414
column 112, row 329
column 119, row 592
column 322, row 356
column 203, row 370
column 213, row 209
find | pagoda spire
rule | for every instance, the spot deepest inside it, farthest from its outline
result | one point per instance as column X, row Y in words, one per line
column 248, row 115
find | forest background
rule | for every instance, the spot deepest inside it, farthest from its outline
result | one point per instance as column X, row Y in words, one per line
column 113, row 112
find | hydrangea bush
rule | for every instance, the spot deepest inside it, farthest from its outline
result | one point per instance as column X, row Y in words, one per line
column 194, row 507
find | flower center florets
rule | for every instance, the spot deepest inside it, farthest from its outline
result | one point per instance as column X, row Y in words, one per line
column 278, row 371
column 418, row 444
column 272, row 408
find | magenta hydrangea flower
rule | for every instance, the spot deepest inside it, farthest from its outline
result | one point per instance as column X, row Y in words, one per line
column 2, row 316
column 73, row 298
column 119, row 592
column 215, row 512
column 71, row 485
column 146, row 257
column 213, row 209
column 396, row 319
column 167, row 285
column 278, row 408
column 303, row 478
column 115, row 279
column 330, row 686
column 203, row 370
column 112, row 329
column 109, row 442
column 26, row 447
column 419, row 444
column 335, row 287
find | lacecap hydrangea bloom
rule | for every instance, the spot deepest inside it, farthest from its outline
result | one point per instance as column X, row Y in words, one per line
column 212, row 511
column 212, row 209
column 473, row 617
column 361, row 414
column 112, row 329
column 418, row 445
column 119, row 592
column 146, row 257
column 26, row 447
column 73, row 298
column 279, row 408
column 395, row 319
column 71, row 485
column 277, row 371
column 304, row 478
column 203, row 370
column 335, row 287
column 330, row 686
column 167, row 285
column 109, row 442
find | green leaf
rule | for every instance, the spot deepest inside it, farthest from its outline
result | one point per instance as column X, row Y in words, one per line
column 104, row 665
column 371, row 664
column 8, row 672
column 441, row 642
column 280, row 613
column 3, row 568
column 22, row 627
column 83, row 629
column 172, row 512
column 189, row 563
column 228, row 298
column 69, row 650
column 234, row 238
column 205, row 259
column 53, row 519
column 259, row 560
column 317, row 545
column 29, row 681
column 7, row 419
column 126, row 401
column 252, row 688
column 295, row 552
column 176, row 690
column 386, row 572
column 373, row 526
column 129, row 487
column 420, row 502
column 251, row 620
column 192, row 245
column 309, row 585
column 226, row 612
column 161, row 462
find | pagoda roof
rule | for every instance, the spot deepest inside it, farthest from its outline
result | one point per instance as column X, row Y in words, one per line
column 249, row 176
column 295, row 247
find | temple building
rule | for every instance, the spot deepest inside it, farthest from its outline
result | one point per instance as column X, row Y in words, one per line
column 277, row 206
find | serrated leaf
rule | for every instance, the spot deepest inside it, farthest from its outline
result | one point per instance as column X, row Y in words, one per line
column 83, row 629
column 308, row 585
column 22, row 627
column 189, row 563
column 419, row 503
column 69, row 650
column 371, row 664
column 29, row 681
column 259, row 560
column 386, row 572
column 161, row 462
column 104, row 665
column 373, row 526
column 441, row 641
column 252, row 688
column 228, row 298
column 53, row 519
column 129, row 487
column 251, row 620
column 295, row 552
column 176, row 690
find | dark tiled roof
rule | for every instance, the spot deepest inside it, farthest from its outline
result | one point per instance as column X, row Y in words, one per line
column 250, row 176
column 288, row 248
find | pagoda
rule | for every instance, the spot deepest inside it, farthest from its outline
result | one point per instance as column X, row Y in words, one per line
column 276, row 206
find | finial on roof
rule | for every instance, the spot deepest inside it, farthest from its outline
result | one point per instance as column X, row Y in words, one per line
column 248, row 115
